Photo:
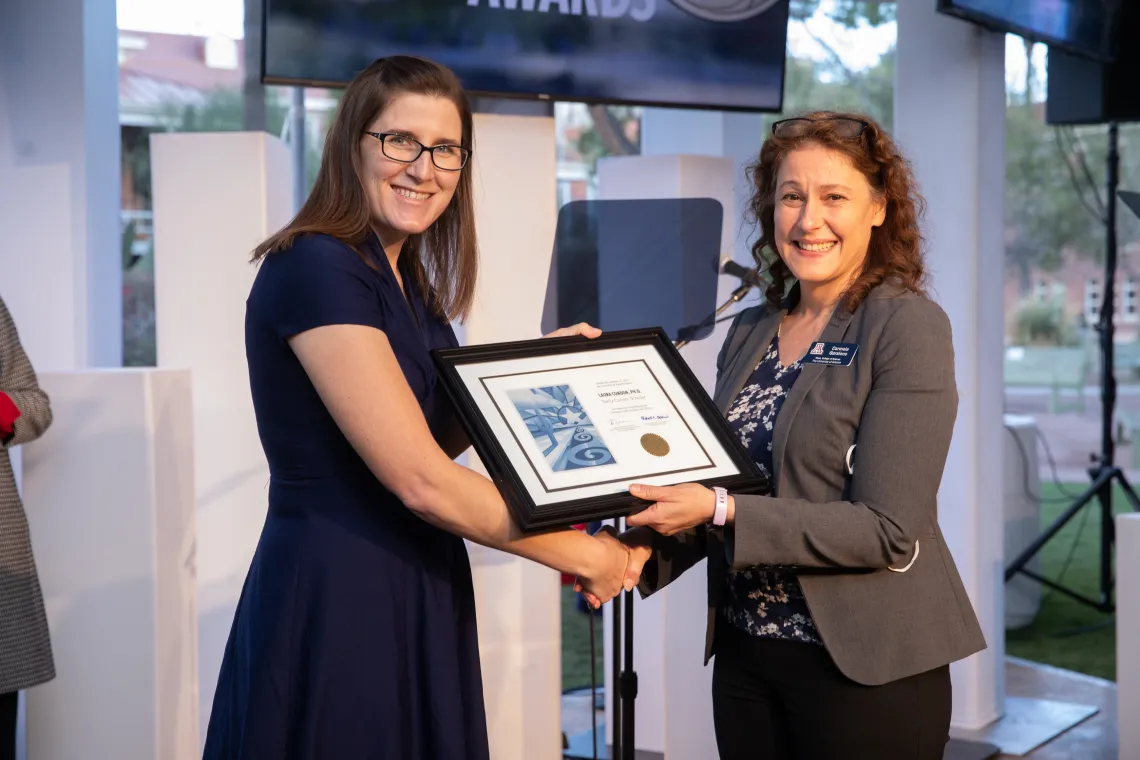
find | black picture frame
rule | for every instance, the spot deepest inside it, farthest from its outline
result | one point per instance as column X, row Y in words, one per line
column 532, row 517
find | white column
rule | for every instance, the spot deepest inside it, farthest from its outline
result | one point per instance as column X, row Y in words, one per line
column 733, row 136
column 517, row 601
column 1127, row 632
column 945, row 66
column 738, row 136
column 684, row 154
column 241, row 182
column 59, row 180
column 110, row 500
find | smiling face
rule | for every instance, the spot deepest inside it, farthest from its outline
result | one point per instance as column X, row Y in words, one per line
column 407, row 198
column 824, row 213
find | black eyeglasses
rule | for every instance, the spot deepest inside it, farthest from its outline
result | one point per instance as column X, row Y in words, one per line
column 844, row 127
column 400, row 147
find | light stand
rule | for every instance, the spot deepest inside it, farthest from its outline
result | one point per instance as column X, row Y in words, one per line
column 1104, row 470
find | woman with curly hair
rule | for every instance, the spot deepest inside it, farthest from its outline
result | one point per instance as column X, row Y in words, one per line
column 835, row 607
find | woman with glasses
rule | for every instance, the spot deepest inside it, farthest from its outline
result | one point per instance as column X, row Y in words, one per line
column 355, row 634
column 835, row 606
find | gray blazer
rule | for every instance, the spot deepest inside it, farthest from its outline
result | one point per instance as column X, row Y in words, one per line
column 880, row 583
column 25, row 646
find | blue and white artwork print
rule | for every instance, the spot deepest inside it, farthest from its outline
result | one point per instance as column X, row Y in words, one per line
column 564, row 433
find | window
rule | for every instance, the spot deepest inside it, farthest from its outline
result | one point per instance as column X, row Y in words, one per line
column 1092, row 300
column 1127, row 310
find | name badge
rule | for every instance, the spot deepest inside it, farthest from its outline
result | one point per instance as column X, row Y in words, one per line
column 835, row 354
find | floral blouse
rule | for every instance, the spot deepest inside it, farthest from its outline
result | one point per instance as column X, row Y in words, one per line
column 766, row 601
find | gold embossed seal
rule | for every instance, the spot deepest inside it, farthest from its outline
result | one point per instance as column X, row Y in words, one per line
column 655, row 444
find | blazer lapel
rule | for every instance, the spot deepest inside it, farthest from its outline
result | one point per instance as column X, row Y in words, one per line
column 809, row 373
column 738, row 371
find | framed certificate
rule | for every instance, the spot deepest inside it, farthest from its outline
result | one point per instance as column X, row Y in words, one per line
column 565, row 425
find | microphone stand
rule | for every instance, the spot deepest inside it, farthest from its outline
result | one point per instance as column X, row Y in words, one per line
column 624, row 676
column 736, row 296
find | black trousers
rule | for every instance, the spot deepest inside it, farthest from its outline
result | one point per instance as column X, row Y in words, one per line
column 8, row 705
column 785, row 700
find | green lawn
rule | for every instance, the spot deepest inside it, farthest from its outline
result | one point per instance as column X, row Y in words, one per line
column 1050, row 639
column 576, row 645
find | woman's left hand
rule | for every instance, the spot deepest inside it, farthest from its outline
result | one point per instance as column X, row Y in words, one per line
column 581, row 328
column 674, row 508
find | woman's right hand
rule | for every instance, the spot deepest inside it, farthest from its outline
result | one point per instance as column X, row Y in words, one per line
column 640, row 543
column 604, row 581
column 637, row 546
column 582, row 328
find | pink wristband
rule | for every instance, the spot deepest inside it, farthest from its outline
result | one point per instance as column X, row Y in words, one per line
column 720, row 510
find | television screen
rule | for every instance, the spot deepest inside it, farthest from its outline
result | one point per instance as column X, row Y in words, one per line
column 1081, row 27
column 714, row 54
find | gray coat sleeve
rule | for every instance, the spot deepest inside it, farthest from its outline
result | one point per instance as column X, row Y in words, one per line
column 18, row 381
column 673, row 555
column 904, row 436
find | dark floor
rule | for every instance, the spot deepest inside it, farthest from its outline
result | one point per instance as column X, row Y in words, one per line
column 1094, row 738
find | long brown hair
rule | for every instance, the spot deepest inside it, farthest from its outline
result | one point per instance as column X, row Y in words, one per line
column 895, row 251
column 444, row 259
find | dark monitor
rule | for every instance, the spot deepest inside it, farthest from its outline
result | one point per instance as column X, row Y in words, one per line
column 1084, row 91
column 628, row 264
column 711, row 54
column 1081, row 27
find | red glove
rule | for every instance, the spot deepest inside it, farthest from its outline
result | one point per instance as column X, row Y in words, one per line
column 9, row 413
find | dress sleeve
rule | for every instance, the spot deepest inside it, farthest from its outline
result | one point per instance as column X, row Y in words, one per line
column 318, row 281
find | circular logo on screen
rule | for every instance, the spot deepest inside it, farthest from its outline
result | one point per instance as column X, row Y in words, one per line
column 724, row 10
column 655, row 444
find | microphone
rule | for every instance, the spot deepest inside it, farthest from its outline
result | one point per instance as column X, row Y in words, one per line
column 750, row 276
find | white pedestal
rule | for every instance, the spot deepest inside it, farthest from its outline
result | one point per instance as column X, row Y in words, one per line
column 945, row 66
column 1128, row 633
column 216, row 197
column 673, row 709
column 109, row 493
column 1022, row 515
column 518, row 601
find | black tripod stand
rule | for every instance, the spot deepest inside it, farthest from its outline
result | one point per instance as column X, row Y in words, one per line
column 1104, row 472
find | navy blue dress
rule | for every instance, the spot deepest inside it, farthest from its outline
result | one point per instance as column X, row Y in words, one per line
column 355, row 632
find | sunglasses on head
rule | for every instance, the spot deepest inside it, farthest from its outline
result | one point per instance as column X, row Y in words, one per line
column 844, row 126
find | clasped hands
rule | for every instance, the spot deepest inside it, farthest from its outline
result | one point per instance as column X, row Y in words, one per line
column 672, row 509
column 618, row 561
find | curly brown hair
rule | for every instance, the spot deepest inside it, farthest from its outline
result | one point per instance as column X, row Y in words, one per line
column 895, row 253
